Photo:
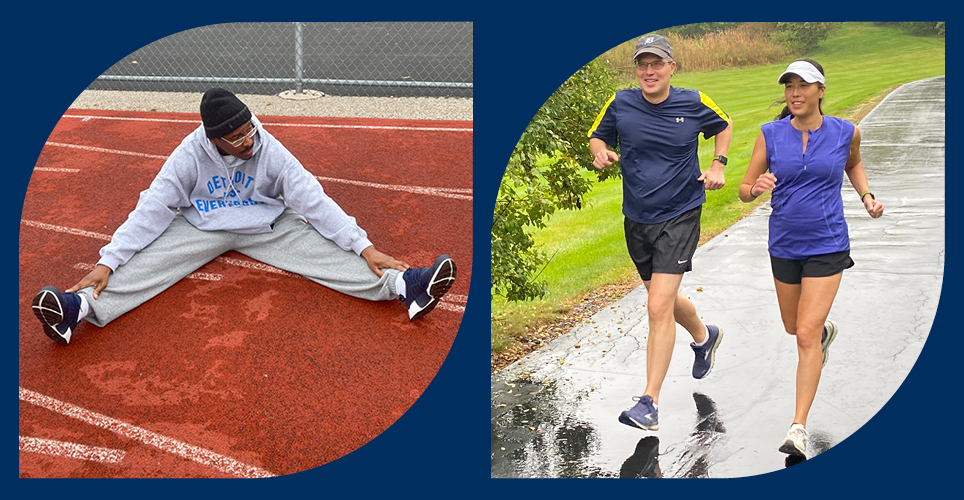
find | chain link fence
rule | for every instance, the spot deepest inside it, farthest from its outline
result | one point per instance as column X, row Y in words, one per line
column 347, row 59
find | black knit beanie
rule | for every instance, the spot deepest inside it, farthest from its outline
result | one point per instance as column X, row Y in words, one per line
column 222, row 112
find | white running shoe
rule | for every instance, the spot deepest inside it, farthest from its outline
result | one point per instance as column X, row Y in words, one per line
column 796, row 441
column 829, row 333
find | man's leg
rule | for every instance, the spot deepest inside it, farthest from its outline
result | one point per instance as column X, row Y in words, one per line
column 685, row 314
column 297, row 247
column 180, row 250
column 662, row 253
column 663, row 292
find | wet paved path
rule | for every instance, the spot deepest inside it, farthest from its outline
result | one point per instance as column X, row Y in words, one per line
column 554, row 414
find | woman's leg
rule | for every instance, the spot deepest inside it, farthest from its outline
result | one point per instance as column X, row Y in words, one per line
column 804, row 309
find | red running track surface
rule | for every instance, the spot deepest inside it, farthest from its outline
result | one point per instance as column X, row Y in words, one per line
column 238, row 370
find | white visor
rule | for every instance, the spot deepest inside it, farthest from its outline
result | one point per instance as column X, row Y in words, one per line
column 804, row 70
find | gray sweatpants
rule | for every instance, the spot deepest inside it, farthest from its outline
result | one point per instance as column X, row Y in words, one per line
column 181, row 249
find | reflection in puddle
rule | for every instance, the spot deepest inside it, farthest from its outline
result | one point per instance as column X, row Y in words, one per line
column 535, row 435
column 694, row 461
column 644, row 462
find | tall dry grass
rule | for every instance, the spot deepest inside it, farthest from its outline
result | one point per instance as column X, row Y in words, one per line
column 747, row 45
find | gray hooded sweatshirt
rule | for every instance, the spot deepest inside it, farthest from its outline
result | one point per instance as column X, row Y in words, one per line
column 216, row 192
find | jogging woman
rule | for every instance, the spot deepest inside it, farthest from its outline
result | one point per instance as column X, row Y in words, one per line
column 801, row 157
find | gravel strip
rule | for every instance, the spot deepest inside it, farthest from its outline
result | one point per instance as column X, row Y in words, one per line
column 408, row 108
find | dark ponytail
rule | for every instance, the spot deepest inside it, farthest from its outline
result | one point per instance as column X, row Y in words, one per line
column 786, row 109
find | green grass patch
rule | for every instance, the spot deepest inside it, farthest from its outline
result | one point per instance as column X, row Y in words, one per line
column 863, row 63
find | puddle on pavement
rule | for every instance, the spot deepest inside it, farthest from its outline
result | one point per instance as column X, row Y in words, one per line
column 535, row 434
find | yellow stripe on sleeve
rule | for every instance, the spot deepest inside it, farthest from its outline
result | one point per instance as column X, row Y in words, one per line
column 705, row 99
column 599, row 117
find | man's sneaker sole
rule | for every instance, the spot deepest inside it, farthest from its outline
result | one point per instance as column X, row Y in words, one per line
column 831, row 335
column 50, row 311
column 626, row 419
column 440, row 283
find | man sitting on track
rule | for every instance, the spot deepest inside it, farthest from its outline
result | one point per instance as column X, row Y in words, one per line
column 230, row 185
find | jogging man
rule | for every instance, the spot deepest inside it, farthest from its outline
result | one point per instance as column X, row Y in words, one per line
column 656, row 128
column 230, row 185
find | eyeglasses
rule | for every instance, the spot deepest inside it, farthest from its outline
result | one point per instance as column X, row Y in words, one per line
column 240, row 140
column 656, row 65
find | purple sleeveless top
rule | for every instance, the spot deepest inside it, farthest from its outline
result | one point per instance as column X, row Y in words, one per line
column 807, row 217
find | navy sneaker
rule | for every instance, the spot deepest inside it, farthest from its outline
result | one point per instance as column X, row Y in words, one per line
column 643, row 415
column 424, row 286
column 57, row 313
column 706, row 353
column 829, row 333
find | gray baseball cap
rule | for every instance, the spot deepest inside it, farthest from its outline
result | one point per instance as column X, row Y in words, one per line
column 655, row 44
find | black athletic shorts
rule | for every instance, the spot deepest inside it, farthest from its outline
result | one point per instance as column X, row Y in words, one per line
column 667, row 247
column 791, row 271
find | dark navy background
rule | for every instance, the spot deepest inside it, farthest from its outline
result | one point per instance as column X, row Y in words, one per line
column 440, row 447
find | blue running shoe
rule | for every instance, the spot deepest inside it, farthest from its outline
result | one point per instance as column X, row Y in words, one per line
column 643, row 415
column 425, row 286
column 57, row 313
column 706, row 353
column 829, row 333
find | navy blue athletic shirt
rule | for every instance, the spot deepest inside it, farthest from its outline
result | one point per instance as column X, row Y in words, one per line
column 658, row 146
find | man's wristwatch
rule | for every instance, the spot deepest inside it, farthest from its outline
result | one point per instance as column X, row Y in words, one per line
column 721, row 159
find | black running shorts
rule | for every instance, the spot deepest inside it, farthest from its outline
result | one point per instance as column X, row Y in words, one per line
column 667, row 247
column 791, row 271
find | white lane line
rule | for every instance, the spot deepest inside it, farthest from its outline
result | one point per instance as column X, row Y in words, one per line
column 71, row 450
column 302, row 125
column 457, row 298
column 65, row 170
column 441, row 192
column 85, row 118
column 85, row 266
column 369, row 127
column 248, row 264
column 105, row 150
column 457, row 193
column 62, row 229
column 200, row 455
column 450, row 307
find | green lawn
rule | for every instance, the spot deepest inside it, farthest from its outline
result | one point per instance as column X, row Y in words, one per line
column 862, row 62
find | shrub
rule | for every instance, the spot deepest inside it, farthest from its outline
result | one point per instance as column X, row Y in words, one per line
column 918, row 28
column 545, row 174
column 802, row 37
